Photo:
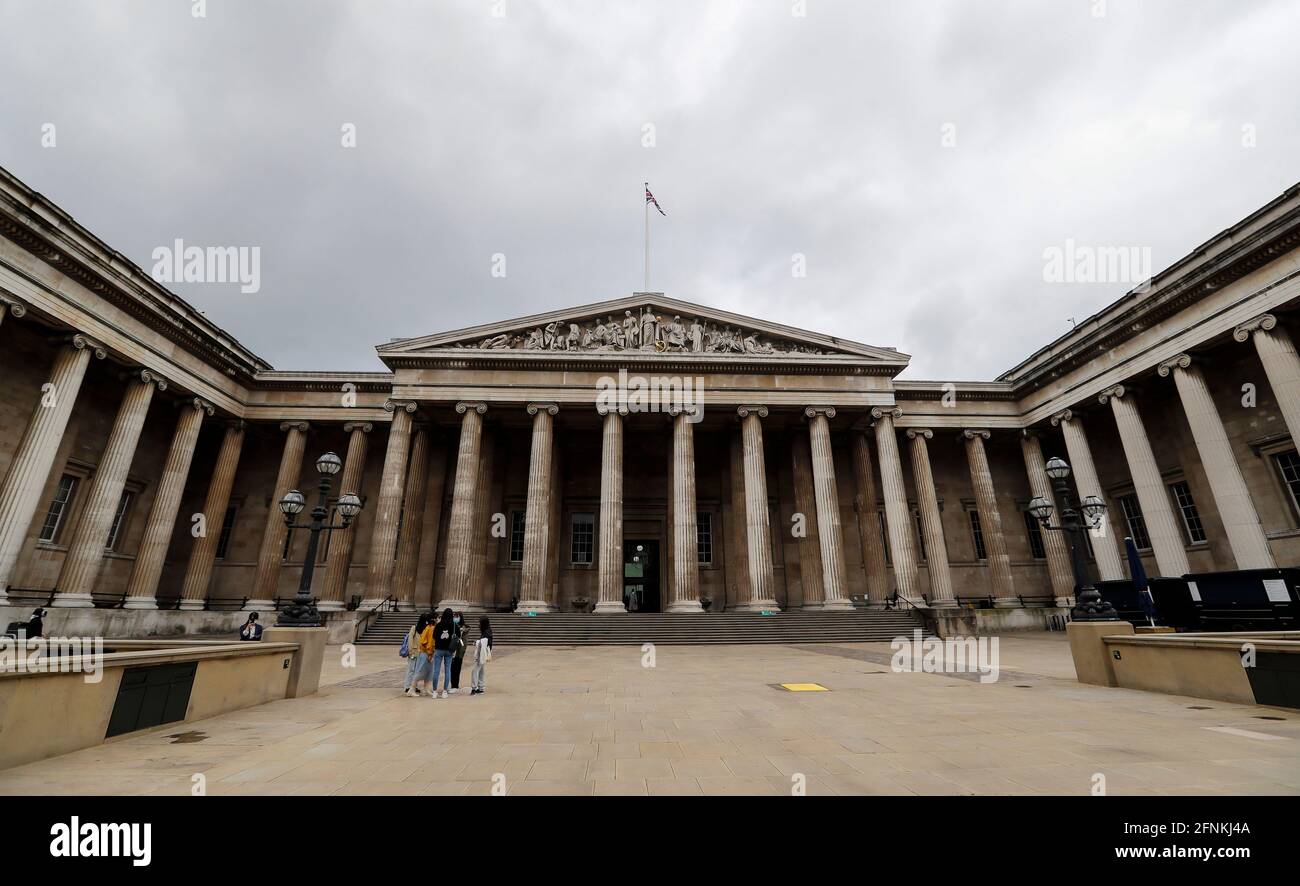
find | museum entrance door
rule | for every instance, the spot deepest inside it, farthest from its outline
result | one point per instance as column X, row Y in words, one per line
column 641, row 575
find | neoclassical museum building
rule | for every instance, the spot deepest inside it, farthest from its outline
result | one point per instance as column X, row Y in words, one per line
column 641, row 453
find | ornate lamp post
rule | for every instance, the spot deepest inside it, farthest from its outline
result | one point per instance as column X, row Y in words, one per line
column 1088, row 604
column 302, row 612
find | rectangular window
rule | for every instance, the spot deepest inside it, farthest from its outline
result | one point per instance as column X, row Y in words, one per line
column 1137, row 526
column 518, row 521
column 1288, row 465
column 227, row 527
column 920, row 536
column 1187, row 507
column 115, row 531
column 584, row 539
column 58, row 508
column 977, row 535
column 1034, row 530
column 704, row 538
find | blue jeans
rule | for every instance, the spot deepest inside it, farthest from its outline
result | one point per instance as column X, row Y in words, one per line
column 420, row 673
column 412, row 669
column 441, row 658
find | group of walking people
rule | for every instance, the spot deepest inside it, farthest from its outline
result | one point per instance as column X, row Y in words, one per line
column 436, row 645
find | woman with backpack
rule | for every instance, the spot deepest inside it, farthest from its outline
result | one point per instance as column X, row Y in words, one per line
column 411, row 650
column 444, row 633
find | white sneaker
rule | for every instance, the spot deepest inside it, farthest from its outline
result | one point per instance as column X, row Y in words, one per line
column 444, row 693
column 409, row 693
column 454, row 691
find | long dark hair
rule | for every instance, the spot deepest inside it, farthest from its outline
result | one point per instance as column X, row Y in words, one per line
column 446, row 620
column 484, row 627
column 421, row 623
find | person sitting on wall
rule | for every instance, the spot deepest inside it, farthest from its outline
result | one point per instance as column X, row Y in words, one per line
column 251, row 630
column 33, row 627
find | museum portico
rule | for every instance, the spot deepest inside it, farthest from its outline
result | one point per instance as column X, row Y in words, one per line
column 639, row 454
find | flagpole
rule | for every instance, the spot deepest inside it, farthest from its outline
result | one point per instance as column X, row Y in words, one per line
column 647, row 239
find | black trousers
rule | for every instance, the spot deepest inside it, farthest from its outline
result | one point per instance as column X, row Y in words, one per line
column 455, row 671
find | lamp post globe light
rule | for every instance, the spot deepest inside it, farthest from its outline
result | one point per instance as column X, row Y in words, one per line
column 1088, row 604
column 301, row 611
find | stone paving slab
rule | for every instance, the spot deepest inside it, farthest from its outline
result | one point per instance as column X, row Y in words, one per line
column 703, row 721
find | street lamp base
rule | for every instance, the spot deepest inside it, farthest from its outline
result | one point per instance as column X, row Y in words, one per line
column 300, row 615
column 1091, row 607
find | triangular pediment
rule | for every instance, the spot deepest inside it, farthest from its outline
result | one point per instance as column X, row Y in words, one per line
column 642, row 324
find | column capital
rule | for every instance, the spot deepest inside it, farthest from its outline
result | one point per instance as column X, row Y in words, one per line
column 1115, row 391
column 676, row 409
column 295, row 426
column 1182, row 361
column 603, row 408
column 461, row 407
column 145, row 376
column 364, row 427
column 1262, row 323
column 814, row 411
column 197, row 403
column 237, row 424
column 926, row 433
column 744, row 411
column 15, row 307
column 80, row 341
column 1063, row 416
column 407, row 406
column 879, row 412
column 975, row 433
column 536, row 407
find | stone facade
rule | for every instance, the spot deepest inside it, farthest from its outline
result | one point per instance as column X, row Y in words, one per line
column 643, row 452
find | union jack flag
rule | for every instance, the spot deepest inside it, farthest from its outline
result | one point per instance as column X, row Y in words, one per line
column 650, row 198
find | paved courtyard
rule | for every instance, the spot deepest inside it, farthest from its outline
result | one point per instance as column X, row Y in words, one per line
column 705, row 720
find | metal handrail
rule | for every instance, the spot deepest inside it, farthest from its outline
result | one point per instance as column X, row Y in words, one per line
column 390, row 602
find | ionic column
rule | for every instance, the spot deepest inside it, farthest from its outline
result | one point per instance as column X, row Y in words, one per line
column 1231, row 496
column 1162, row 527
column 271, row 554
column 758, row 529
column 1058, row 554
column 142, row 587
column 85, row 554
column 20, row 494
column 927, row 500
column 198, row 572
column 1281, row 365
column 412, row 525
column 873, row 540
column 1105, row 546
column 538, row 532
column 805, row 503
column 685, row 590
column 426, row 566
column 610, row 562
column 460, row 531
column 828, row 508
column 986, row 502
column 481, row 593
column 737, row 532
column 897, row 519
column 9, row 306
column 388, row 507
column 338, row 562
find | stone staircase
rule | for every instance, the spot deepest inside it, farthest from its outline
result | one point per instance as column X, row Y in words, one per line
column 584, row 629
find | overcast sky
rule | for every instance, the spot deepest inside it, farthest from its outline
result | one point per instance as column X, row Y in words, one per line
column 774, row 134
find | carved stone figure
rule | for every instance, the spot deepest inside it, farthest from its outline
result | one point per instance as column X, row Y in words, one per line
column 649, row 329
column 631, row 330
column 697, row 336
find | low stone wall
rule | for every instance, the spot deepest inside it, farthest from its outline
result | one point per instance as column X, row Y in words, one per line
column 161, row 623
column 44, row 714
column 963, row 622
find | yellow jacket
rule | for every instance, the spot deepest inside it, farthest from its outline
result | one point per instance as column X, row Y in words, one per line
column 426, row 641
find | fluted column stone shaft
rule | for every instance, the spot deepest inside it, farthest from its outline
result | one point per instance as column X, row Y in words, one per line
column 271, row 555
column 1162, row 526
column 142, row 587
column 805, row 504
column 1054, row 545
column 758, row 528
column 338, row 562
column 986, row 503
column 1231, row 495
column 198, row 572
column 1105, row 546
column 829, row 533
column 388, row 507
column 927, row 500
column 538, row 532
column 460, row 531
column 480, row 593
column 610, row 559
column 1281, row 364
column 737, row 531
column 869, row 528
column 85, row 555
column 898, row 520
column 412, row 529
column 685, row 589
column 20, row 494
column 434, row 491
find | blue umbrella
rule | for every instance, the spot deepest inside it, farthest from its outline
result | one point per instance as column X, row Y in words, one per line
column 1140, row 582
